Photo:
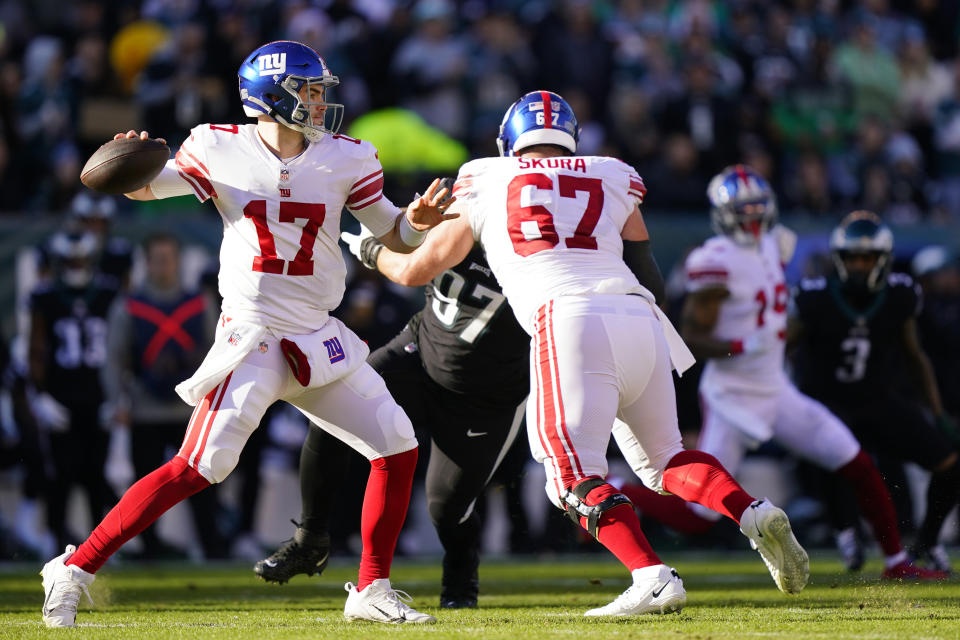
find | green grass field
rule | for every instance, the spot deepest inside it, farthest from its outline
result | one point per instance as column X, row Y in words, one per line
column 730, row 595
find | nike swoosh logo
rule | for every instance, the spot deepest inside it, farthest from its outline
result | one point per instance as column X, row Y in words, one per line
column 473, row 434
column 270, row 563
column 657, row 592
column 323, row 559
column 400, row 618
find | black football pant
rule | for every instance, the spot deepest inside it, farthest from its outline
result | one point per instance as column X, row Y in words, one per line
column 469, row 437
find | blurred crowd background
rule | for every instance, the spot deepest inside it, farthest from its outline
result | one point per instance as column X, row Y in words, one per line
column 841, row 104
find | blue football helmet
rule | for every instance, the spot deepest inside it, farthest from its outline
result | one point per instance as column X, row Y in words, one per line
column 272, row 79
column 862, row 233
column 538, row 117
column 742, row 204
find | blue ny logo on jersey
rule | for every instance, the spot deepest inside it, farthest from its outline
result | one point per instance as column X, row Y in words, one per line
column 334, row 350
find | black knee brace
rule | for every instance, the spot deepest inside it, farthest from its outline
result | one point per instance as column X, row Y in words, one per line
column 576, row 508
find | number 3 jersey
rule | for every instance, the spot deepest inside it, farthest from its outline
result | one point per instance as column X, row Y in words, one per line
column 551, row 226
column 280, row 261
column 757, row 302
column 846, row 354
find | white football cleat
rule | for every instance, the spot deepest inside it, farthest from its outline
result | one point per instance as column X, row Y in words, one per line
column 62, row 586
column 380, row 602
column 656, row 589
column 768, row 529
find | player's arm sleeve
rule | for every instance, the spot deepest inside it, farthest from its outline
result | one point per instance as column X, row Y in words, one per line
column 187, row 171
column 366, row 201
column 640, row 261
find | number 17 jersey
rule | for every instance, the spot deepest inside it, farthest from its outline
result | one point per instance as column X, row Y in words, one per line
column 551, row 226
column 280, row 260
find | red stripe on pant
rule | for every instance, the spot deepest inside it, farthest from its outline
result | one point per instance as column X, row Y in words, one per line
column 204, row 418
column 537, row 371
column 560, row 444
column 563, row 418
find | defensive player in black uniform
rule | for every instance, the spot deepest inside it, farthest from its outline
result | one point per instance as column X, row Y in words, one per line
column 849, row 328
column 67, row 348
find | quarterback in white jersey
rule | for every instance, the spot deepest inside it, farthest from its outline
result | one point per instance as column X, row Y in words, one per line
column 553, row 225
column 280, row 186
column 736, row 315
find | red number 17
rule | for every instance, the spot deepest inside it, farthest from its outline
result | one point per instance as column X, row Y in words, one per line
column 268, row 262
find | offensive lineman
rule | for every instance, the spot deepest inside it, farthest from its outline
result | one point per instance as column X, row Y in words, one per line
column 736, row 315
column 849, row 327
column 280, row 187
column 552, row 225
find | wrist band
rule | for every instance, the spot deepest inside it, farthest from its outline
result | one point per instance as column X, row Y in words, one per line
column 410, row 236
column 736, row 347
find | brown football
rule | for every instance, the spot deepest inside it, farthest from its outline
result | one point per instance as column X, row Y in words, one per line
column 124, row 165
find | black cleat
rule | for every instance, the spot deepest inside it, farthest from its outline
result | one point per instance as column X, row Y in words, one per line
column 305, row 552
column 462, row 602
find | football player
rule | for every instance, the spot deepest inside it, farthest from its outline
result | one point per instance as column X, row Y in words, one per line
column 280, row 186
column 552, row 225
column 850, row 327
column 735, row 315
column 67, row 349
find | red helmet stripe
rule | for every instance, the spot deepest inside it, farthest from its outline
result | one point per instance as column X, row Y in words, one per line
column 741, row 173
column 547, row 110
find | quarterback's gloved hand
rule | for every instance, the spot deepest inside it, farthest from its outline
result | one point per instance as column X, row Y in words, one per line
column 49, row 413
column 364, row 246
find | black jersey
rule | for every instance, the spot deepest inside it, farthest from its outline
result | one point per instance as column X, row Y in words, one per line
column 75, row 332
column 469, row 340
column 846, row 353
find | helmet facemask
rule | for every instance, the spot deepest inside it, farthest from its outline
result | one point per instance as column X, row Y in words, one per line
column 301, row 116
column 862, row 233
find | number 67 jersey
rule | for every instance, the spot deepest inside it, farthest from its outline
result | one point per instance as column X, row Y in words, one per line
column 551, row 226
column 280, row 261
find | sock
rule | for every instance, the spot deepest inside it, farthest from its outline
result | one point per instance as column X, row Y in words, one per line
column 385, row 504
column 698, row 477
column 874, row 500
column 323, row 464
column 667, row 509
column 619, row 531
column 144, row 502
column 942, row 494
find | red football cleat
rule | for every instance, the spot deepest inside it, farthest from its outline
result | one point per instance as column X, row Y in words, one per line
column 907, row 571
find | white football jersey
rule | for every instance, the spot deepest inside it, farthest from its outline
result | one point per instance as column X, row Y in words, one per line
column 757, row 302
column 280, row 261
column 551, row 226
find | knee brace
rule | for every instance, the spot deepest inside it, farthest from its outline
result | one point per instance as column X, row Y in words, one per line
column 575, row 503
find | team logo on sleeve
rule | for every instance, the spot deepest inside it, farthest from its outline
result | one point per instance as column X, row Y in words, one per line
column 272, row 64
column 334, row 350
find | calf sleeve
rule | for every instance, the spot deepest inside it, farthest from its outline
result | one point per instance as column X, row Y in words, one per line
column 874, row 500
column 385, row 504
column 144, row 502
column 698, row 477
